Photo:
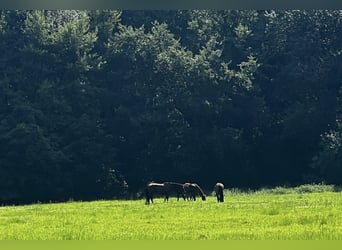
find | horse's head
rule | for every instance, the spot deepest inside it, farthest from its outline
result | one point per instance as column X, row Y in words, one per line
column 203, row 198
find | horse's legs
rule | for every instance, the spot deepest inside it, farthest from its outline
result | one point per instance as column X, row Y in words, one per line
column 149, row 200
column 221, row 195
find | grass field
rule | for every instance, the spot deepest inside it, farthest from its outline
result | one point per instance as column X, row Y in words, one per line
column 277, row 214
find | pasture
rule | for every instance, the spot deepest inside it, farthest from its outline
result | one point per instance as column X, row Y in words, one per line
column 277, row 214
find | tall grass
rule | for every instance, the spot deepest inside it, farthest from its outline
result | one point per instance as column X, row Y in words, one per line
column 252, row 215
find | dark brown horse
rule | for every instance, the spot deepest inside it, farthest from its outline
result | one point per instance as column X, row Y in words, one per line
column 165, row 190
column 174, row 189
column 153, row 190
column 218, row 188
column 192, row 190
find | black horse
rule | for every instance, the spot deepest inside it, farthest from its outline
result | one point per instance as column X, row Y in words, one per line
column 192, row 190
column 218, row 188
column 165, row 190
column 152, row 190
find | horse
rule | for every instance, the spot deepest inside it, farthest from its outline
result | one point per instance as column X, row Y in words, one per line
column 165, row 189
column 218, row 188
column 174, row 188
column 152, row 190
column 192, row 190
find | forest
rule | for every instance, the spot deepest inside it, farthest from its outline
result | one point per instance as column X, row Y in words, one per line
column 95, row 104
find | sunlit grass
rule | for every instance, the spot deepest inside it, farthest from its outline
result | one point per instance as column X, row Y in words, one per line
column 258, row 215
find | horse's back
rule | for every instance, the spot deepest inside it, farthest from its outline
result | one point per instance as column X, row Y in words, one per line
column 174, row 187
column 219, row 186
column 155, row 186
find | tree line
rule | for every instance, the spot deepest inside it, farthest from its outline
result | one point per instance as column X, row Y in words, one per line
column 94, row 104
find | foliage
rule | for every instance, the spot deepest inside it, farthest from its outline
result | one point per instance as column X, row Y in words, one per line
column 96, row 103
column 305, row 188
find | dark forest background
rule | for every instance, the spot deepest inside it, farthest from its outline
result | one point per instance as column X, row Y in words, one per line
column 94, row 104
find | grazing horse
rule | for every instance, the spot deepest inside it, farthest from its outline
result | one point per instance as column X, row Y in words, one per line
column 165, row 190
column 192, row 190
column 218, row 188
column 174, row 188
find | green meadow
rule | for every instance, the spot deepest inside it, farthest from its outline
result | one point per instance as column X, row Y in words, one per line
column 281, row 213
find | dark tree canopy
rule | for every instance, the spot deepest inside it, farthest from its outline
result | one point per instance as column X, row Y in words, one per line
column 94, row 104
